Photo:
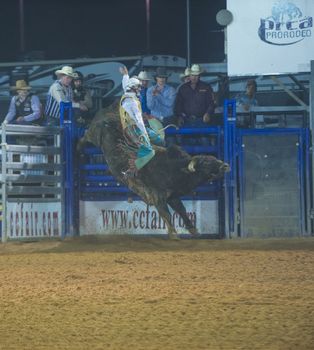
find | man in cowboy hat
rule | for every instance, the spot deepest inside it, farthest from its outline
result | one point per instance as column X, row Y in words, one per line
column 60, row 91
column 161, row 97
column 194, row 106
column 25, row 107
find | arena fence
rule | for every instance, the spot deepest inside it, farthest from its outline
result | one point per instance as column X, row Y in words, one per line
column 48, row 190
column 267, row 192
column 31, row 182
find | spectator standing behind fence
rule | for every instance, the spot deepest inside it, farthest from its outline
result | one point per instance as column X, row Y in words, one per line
column 194, row 105
column 82, row 96
column 244, row 102
column 60, row 91
column 25, row 107
column 161, row 97
column 248, row 99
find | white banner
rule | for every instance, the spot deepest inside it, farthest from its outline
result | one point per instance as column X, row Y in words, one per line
column 26, row 220
column 270, row 36
column 138, row 218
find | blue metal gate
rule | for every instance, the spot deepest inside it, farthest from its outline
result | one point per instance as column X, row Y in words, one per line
column 269, row 183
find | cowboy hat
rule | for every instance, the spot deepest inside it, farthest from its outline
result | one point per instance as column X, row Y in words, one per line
column 66, row 70
column 143, row 75
column 187, row 72
column 21, row 85
column 196, row 69
column 161, row 72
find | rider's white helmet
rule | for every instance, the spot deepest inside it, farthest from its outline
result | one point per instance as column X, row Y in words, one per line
column 133, row 83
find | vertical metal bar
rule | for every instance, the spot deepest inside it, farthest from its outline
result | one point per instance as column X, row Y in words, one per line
column 71, row 161
column 63, row 174
column 188, row 37
column 230, row 158
column 66, row 110
column 300, row 158
column 308, row 184
column 221, row 199
column 225, row 43
column 22, row 30
column 227, row 176
column 64, row 180
column 148, row 26
column 4, row 184
column 241, row 175
column 70, row 170
column 58, row 159
column 312, row 146
column 233, row 170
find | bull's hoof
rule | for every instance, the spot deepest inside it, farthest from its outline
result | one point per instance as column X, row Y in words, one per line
column 173, row 237
column 194, row 233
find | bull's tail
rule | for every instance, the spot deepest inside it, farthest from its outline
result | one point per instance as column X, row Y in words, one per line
column 168, row 126
column 157, row 127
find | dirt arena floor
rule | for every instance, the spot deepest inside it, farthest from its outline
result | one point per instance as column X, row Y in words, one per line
column 150, row 293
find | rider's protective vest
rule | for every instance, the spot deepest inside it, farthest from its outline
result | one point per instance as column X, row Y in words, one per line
column 126, row 120
column 136, row 135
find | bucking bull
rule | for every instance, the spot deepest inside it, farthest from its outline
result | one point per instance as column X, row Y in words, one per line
column 171, row 173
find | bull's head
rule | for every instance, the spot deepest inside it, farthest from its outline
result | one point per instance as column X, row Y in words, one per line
column 210, row 166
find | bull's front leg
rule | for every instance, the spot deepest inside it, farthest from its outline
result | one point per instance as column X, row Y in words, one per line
column 177, row 205
column 164, row 212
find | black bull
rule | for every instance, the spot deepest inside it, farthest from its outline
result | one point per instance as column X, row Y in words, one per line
column 171, row 174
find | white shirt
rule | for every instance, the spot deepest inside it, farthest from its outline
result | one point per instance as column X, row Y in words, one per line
column 131, row 107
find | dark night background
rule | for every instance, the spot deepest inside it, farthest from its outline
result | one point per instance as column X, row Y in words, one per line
column 104, row 28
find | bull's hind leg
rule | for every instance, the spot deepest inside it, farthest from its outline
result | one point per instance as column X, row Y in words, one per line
column 164, row 212
column 177, row 205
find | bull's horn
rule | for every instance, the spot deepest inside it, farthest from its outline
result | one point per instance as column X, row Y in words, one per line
column 191, row 166
column 225, row 167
